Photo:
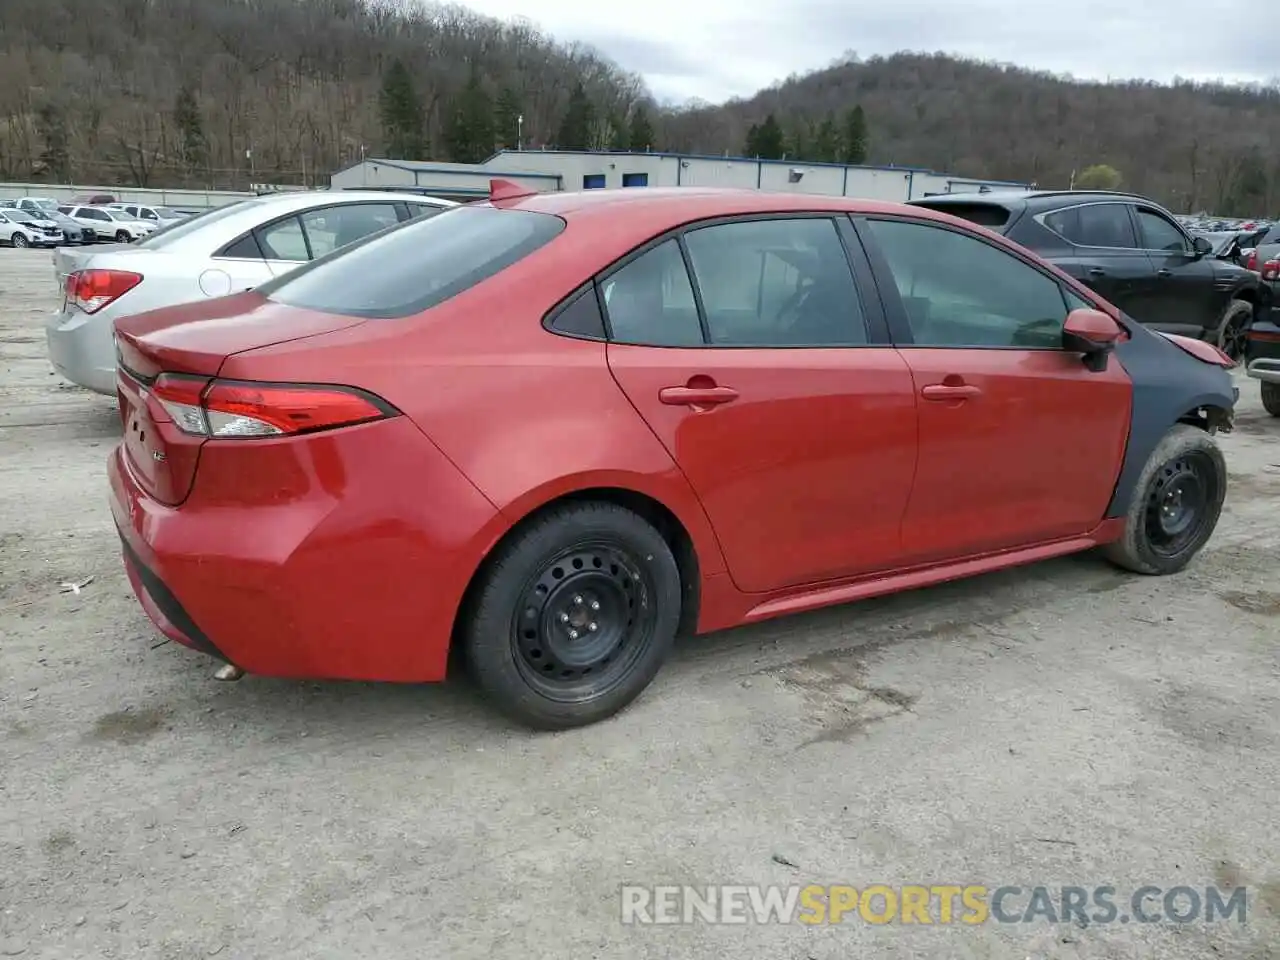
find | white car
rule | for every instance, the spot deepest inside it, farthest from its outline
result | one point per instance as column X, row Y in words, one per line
column 109, row 224
column 21, row 229
column 158, row 216
column 223, row 251
column 37, row 204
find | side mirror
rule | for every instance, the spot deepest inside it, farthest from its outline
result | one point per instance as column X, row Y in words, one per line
column 1203, row 246
column 1092, row 333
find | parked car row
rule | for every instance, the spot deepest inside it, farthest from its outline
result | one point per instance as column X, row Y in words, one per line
column 44, row 222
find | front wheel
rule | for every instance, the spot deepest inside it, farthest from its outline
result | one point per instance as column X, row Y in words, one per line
column 1176, row 504
column 575, row 616
column 1271, row 398
column 1233, row 331
column 20, row 240
column 122, row 236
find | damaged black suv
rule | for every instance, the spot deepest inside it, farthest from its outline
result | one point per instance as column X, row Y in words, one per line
column 1133, row 252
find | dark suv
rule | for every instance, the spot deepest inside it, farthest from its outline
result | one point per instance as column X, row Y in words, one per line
column 1132, row 251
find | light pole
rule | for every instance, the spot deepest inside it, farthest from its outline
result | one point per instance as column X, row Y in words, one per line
column 520, row 132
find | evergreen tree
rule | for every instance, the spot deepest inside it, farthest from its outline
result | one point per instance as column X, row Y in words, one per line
column 55, row 156
column 579, row 121
column 826, row 143
column 193, row 146
column 641, row 133
column 469, row 134
column 506, row 118
column 619, row 133
column 403, row 129
column 770, row 141
column 854, row 147
column 797, row 147
column 752, row 146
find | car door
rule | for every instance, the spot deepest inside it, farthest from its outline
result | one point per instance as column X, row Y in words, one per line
column 1019, row 443
column 764, row 368
column 1187, row 298
column 1105, row 254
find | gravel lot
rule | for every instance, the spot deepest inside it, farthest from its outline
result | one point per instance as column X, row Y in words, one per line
column 1061, row 724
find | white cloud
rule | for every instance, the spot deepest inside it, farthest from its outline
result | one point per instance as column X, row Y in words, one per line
column 715, row 49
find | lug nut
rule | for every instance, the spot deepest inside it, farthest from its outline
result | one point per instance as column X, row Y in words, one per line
column 593, row 627
column 564, row 618
column 595, row 604
column 573, row 634
column 577, row 600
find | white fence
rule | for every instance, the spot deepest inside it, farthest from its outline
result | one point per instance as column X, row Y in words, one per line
column 180, row 199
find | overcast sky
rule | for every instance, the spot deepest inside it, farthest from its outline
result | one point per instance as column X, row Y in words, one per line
column 716, row 49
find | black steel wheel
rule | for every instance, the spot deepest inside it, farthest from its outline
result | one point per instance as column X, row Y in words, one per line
column 583, row 621
column 1175, row 504
column 574, row 615
column 1178, row 502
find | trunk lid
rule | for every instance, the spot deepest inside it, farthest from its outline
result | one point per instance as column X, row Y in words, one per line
column 193, row 340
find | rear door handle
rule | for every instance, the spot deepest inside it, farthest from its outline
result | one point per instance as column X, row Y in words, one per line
column 697, row 396
column 1097, row 272
column 1164, row 273
column 945, row 391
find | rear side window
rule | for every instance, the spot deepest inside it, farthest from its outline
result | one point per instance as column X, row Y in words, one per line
column 1095, row 225
column 417, row 265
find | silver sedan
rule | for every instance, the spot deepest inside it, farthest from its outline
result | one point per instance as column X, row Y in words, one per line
column 226, row 250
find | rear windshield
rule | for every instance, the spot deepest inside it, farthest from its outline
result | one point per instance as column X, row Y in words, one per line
column 182, row 228
column 416, row 265
column 989, row 215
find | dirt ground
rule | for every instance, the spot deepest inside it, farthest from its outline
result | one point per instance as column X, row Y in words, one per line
column 1062, row 724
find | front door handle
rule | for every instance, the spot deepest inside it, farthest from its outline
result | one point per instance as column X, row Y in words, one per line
column 697, row 396
column 1097, row 272
column 1164, row 273
column 947, row 391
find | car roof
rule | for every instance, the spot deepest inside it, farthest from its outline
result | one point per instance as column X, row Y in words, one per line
column 667, row 207
column 1037, row 198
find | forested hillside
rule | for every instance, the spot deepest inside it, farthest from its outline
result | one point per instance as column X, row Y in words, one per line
column 170, row 92
column 1192, row 145
column 228, row 92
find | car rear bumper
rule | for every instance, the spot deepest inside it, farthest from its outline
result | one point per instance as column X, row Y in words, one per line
column 82, row 348
column 1262, row 353
column 340, row 556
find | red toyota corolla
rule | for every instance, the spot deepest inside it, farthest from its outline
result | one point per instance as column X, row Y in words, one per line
column 561, row 429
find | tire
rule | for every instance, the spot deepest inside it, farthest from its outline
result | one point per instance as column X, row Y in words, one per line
column 122, row 236
column 20, row 241
column 1232, row 330
column 574, row 616
column 1162, row 535
column 1271, row 398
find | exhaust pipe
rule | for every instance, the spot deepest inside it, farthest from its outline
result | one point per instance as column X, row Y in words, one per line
column 228, row 672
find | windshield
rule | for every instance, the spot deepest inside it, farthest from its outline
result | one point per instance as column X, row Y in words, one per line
column 416, row 265
column 188, row 225
column 21, row 216
column 166, row 213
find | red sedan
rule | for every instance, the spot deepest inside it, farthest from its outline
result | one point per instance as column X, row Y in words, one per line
column 562, row 429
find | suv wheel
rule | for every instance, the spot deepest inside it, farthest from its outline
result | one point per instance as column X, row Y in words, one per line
column 20, row 240
column 1271, row 398
column 122, row 236
column 1234, row 328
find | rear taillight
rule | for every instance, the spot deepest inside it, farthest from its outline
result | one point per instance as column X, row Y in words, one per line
column 1251, row 261
column 91, row 290
column 242, row 408
column 1271, row 270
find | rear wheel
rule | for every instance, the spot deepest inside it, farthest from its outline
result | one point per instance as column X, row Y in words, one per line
column 575, row 616
column 1234, row 329
column 20, row 240
column 1176, row 504
column 1271, row 398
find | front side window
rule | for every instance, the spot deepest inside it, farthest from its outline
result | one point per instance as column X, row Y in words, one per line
column 959, row 291
column 776, row 283
column 1094, row 225
column 1159, row 233
column 650, row 300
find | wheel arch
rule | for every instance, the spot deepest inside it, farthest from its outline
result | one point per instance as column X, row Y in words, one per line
column 696, row 552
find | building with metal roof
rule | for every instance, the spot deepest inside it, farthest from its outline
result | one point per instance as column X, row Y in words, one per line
column 551, row 170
